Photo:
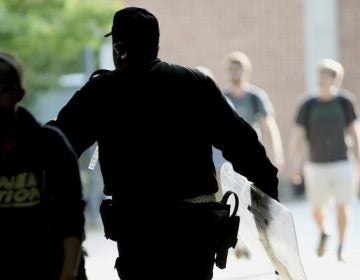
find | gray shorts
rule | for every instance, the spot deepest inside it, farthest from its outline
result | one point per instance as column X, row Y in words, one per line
column 326, row 181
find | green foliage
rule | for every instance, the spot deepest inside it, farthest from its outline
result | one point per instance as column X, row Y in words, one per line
column 49, row 36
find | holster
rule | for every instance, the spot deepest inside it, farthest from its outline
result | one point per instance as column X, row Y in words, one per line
column 108, row 214
column 228, row 234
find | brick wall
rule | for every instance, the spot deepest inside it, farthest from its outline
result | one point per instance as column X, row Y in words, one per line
column 349, row 23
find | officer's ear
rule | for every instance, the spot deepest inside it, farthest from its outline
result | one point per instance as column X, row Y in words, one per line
column 120, row 51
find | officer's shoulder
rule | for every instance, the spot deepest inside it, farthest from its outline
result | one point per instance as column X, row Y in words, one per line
column 100, row 79
column 102, row 75
column 99, row 73
column 184, row 72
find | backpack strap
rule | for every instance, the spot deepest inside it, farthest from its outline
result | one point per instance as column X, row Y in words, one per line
column 343, row 105
column 309, row 108
column 255, row 103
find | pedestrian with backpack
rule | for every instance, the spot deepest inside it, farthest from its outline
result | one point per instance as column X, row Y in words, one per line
column 323, row 123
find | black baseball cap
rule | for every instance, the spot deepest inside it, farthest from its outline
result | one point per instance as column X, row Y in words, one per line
column 135, row 26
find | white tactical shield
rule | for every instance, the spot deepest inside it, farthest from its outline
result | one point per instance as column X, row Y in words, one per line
column 265, row 225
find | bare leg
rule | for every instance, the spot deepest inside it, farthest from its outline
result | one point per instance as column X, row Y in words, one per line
column 319, row 216
column 342, row 222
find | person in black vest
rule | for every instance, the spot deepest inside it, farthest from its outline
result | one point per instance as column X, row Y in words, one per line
column 41, row 206
column 155, row 126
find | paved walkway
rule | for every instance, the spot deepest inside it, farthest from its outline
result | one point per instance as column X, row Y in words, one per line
column 102, row 253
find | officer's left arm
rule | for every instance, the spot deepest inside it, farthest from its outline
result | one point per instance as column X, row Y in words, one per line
column 78, row 119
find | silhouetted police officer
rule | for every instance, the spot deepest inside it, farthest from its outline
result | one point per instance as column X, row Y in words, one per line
column 155, row 124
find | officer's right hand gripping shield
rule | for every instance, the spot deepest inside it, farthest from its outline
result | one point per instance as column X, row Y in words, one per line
column 267, row 227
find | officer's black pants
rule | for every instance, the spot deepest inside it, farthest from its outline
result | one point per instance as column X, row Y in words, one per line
column 179, row 247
